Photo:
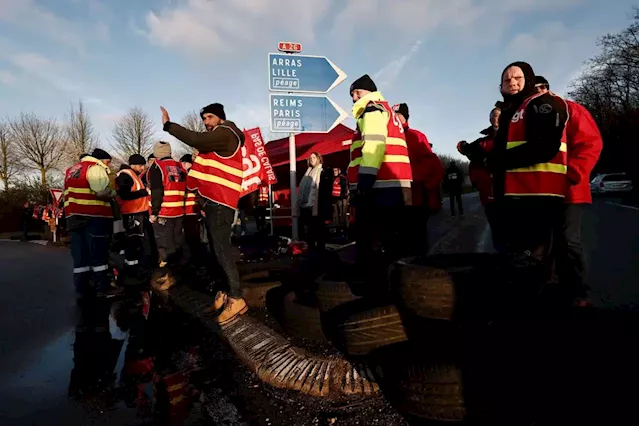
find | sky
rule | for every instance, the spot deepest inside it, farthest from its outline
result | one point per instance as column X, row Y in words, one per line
column 443, row 58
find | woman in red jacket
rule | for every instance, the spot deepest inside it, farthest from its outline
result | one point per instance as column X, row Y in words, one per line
column 584, row 144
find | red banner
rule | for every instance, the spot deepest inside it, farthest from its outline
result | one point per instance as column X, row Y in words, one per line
column 257, row 167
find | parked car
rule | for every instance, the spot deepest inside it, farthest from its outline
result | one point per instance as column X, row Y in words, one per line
column 610, row 183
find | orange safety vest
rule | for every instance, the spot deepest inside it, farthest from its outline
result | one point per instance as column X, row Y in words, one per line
column 337, row 189
column 175, row 188
column 217, row 178
column 138, row 205
column 79, row 198
column 542, row 179
column 395, row 169
column 191, row 206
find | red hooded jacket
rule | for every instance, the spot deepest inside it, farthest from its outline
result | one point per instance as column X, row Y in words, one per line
column 584, row 144
column 426, row 169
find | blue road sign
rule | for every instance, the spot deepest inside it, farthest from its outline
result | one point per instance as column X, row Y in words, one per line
column 303, row 73
column 304, row 113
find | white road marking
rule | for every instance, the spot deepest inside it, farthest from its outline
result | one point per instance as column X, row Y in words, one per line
column 621, row 205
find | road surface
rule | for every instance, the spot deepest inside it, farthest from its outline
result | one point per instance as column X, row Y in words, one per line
column 610, row 241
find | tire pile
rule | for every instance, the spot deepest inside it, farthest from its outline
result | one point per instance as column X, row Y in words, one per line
column 437, row 340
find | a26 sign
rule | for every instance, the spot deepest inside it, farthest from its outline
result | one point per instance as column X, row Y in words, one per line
column 288, row 47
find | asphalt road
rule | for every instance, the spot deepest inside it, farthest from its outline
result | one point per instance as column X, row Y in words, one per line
column 610, row 241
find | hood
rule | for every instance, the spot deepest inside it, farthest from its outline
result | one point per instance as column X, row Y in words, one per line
column 359, row 106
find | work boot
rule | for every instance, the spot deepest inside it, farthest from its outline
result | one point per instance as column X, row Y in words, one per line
column 233, row 308
column 218, row 303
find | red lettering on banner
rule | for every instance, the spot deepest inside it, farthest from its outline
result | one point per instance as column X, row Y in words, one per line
column 257, row 169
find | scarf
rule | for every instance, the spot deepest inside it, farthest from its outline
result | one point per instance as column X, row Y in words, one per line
column 308, row 190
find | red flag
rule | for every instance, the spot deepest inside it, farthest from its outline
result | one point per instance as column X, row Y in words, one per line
column 256, row 163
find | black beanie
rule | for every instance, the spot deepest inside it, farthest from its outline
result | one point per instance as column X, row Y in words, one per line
column 541, row 80
column 84, row 154
column 151, row 156
column 402, row 109
column 363, row 83
column 100, row 154
column 137, row 160
column 215, row 109
column 187, row 158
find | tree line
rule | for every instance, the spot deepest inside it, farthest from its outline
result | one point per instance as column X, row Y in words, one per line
column 608, row 88
column 32, row 145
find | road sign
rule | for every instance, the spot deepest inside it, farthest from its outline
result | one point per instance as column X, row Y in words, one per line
column 304, row 113
column 303, row 73
column 56, row 196
column 288, row 47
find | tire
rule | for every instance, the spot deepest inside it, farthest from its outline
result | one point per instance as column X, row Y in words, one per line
column 331, row 293
column 421, row 385
column 306, row 269
column 442, row 286
column 254, row 292
column 301, row 321
column 361, row 326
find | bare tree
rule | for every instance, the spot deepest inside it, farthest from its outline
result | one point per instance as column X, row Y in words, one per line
column 80, row 134
column 132, row 134
column 192, row 121
column 39, row 142
column 9, row 160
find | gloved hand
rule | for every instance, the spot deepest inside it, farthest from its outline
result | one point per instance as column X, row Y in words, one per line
column 461, row 146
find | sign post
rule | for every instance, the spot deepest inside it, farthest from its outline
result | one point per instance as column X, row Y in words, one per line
column 300, row 113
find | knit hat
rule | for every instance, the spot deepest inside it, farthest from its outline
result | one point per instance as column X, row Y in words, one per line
column 187, row 158
column 151, row 156
column 540, row 80
column 84, row 154
column 215, row 109
column 363, row 83
column 402, row 109
column 100, row 154
column 162, row 150
column 137, row 160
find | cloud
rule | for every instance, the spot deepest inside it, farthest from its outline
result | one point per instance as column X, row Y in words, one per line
column 7, row 78
column 386, row 76
column 41, row 67
column 417, row 17
column 207, row 28
column 28, row 15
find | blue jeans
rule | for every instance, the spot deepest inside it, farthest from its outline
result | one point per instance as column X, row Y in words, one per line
column 90, row 252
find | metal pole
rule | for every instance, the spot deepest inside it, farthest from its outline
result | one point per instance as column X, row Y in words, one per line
column 293, row 180
column 271, row 209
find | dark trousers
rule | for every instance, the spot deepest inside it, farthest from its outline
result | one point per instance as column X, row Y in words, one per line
column 417, row 233
column 496, row 225
column 168, row 236
column 219, row 219
column 340, row 212
column 90, row 251
column 527, row 225
column 570, row 263
column 379, row 242
column 260, row 213
column 191, row 224
column 138, row 257
column 312, row 229
column 455, row 197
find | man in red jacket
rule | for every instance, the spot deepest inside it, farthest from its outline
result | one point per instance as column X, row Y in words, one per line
column 427, row 173
column 584, row 144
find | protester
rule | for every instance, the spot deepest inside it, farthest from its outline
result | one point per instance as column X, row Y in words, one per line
column 168, row 185
column 133, row 200
column 314, row 208
column 427, row 172
column 453, row 179
column 87, row 197
column 480, row 175
column 584, row 144
column 380, row 178
column 528, row 162
column 27, row 212
column 339, row 198
column 216, row 175
column 191, row 222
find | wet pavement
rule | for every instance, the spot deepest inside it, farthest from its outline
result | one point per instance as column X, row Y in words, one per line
column 134, row 361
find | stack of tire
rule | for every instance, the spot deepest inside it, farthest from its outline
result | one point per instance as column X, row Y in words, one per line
column 257, row 278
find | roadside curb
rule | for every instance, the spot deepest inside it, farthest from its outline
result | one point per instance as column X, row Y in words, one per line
column 274, row 359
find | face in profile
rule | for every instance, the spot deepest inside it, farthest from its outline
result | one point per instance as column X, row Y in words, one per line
column 494, row 118
column 210, row 121
column 139, row 168
column 358, row 94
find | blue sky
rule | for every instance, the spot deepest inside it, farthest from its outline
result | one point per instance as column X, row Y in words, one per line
column 442, row 57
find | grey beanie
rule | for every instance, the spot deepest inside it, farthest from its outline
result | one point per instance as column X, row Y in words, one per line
column 162, row 150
